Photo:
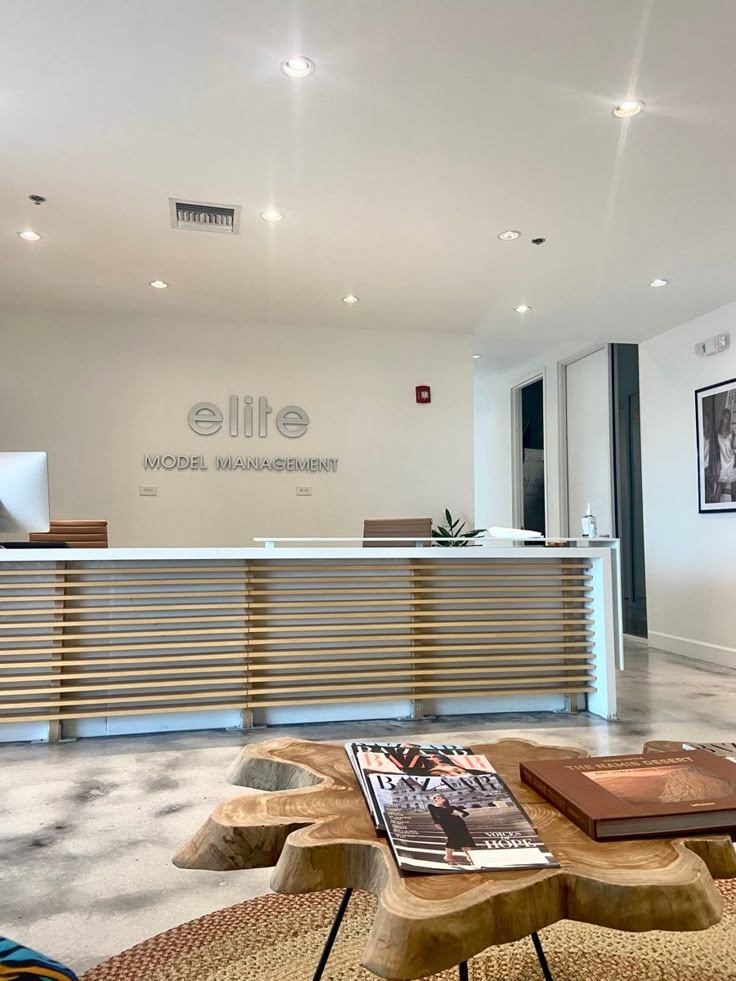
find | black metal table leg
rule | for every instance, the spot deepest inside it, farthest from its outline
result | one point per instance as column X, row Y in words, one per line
column 462, row 970
column 542, row 959
column 332, row 934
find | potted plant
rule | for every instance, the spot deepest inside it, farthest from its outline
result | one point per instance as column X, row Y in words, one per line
column 452, row 533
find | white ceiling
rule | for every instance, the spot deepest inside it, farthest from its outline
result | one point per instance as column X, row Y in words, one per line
column 428, row 127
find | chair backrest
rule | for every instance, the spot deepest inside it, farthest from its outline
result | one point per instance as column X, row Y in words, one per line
column 77, row 534
column 400, row 527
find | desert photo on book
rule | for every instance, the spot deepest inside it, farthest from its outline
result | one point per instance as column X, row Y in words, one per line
column 682, row 782
column 456, row 824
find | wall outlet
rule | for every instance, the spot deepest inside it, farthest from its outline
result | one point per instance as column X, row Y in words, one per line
column 148, row 490
column 303, row 490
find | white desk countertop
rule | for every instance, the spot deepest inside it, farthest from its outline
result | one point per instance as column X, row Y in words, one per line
column 504, row 551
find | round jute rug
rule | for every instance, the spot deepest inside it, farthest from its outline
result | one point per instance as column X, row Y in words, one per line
column 279, row 938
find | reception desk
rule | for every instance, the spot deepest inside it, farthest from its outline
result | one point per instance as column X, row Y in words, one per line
column 131, row 640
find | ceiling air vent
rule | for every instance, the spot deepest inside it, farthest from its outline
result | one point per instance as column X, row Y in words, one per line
column 198, row 216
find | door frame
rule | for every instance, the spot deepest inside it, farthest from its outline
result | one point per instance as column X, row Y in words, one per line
column 517, row 476
column 563, row 472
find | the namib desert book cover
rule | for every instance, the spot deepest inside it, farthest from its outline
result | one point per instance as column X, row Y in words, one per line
column 636, row 796
column 445, row 809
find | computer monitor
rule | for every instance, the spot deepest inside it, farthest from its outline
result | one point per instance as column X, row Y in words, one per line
column 24, row 494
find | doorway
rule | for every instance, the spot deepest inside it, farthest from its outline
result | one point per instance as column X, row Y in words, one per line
column 530, row 501
column 628, row 507
column 600, row 454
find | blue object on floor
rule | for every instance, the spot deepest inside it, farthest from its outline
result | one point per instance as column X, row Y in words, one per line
column 18, row 963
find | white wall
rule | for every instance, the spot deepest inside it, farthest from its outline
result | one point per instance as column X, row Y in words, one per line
column 99, row 393
column 689, row 556
column 589, row 451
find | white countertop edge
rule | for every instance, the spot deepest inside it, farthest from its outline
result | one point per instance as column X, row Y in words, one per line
column 283, row 554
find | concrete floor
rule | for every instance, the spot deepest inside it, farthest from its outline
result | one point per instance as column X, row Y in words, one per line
column 87, row 829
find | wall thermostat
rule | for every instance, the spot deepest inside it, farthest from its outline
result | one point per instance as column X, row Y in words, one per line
column 423, row 393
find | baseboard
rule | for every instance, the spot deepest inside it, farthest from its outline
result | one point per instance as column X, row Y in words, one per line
column 698, row 649
column 635, row 641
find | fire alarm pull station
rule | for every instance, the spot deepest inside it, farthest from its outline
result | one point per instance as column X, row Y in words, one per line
column 423, row 393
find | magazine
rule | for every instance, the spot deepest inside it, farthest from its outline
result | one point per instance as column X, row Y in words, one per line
column 456, row 824
column 421, row 759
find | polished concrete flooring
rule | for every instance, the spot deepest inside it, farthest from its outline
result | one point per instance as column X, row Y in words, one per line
column 87, row 829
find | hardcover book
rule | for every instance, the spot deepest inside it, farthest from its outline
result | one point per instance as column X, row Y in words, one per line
column 456, row 824
column 637, row 796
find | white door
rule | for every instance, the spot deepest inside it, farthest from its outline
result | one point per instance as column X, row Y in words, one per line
column 588, row 438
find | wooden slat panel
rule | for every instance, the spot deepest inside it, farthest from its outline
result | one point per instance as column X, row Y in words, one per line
column 353, row 587
column 119, row 622
column 176, row 670
column 115, row 568
column 161, row 621
column 224, row 685
column 563, row 689
column 155, row 632
column 406, row 602
column 410, row 671
column 417, row 564
column 232, row 580
column 125, row 608
column 436, row 623
column 422, row 635
column 158, row 645
column 270, row 674
column 349, row 614
column 199, row 594
column 139, row 699
column 279, row 635
column 397, row 648
column 177, row 659
column 342, row 580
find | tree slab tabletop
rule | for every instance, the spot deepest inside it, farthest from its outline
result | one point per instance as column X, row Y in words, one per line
column 310, row 821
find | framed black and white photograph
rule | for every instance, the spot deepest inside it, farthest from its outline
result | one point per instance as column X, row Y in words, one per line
column 715, row 412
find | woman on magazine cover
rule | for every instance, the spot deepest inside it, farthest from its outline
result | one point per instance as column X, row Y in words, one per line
column 449, row 819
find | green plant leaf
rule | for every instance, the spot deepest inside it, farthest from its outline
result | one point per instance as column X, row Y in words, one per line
column 448, row 517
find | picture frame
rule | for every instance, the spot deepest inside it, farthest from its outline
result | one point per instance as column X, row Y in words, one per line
column 715, row 430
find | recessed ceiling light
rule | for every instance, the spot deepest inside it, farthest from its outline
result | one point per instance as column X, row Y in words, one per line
column 29, row 236
column 627, row 109
column 475, row 357
column 522, row 308
column 158, row 284
column 298, row 67
column 271, row 215
column 350, row 298
column 656, row 283
column 509, row 235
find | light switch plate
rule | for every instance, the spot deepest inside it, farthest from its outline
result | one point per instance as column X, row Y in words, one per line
column 303, row 490
column 148, row 490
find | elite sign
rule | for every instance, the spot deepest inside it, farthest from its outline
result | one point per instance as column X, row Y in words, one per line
column 206, row 418
column 247, row 419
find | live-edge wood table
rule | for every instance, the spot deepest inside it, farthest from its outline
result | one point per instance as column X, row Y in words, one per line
column 313, row 825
